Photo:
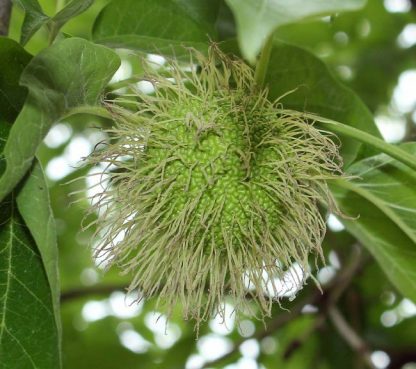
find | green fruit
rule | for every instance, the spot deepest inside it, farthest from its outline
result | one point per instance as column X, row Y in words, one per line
column 212, row 182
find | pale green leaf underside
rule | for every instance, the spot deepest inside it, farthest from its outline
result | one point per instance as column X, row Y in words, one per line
column 34, row 206
column 257, row 19
column 383, row 198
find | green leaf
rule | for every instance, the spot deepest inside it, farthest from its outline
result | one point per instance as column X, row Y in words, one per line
column 257, row 19
column 67, row 75
column 316, row 90
column 21, row 230
column 28, row 331
column 34, row 19
column 4, row 133
column 13, row 59
column 71, row 10
column 163, row 26
column 34, row 206
column 382, row 197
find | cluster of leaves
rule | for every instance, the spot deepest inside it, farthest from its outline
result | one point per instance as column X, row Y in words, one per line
column 52, row 75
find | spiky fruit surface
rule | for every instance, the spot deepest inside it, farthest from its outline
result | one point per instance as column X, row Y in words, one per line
column 212, row 182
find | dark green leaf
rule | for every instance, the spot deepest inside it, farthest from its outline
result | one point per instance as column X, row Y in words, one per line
column 383, row 198
column 317, row 91
column 162, row 26
column 67, row 75
column 34, row 19
column 28, row 331
column 13, row 59
column 256, row 20
column 4, row 133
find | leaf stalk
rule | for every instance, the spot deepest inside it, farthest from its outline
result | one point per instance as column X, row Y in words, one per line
column 263, row 62
column 392, row 150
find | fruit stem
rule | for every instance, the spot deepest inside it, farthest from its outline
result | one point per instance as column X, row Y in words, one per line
column 263, row 62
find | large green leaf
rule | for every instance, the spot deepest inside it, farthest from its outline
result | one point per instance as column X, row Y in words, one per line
column 34, row 19
column 29, row 335
column 257, row 19
column 162, row 26
column 316, row 90
column 29, row 289
column 67, row 75
column 34, row 206
column 13, row 59
column 382, row 197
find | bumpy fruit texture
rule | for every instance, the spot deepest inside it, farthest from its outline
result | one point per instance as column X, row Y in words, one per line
column 212, row 171
column 212, row 184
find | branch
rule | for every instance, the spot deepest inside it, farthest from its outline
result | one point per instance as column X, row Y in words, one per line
column 350, row 336
column 296, row 344
column 77, row 293
column 335, row 292
column 400, row 357
column 81, row 292
column 5, row 12
column 325, row 299
column 273, row 326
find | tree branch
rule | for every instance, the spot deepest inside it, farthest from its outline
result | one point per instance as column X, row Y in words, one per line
column 77, row 293
column 335, row 292
column 271, row 327
column 5, row 12
column 324, row 300
column 296, row 344
column 350, row 336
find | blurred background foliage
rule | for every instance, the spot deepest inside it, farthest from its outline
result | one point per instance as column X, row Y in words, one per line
column 374, row 52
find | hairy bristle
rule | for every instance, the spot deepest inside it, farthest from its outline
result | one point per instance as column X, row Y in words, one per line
column 210, row 184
